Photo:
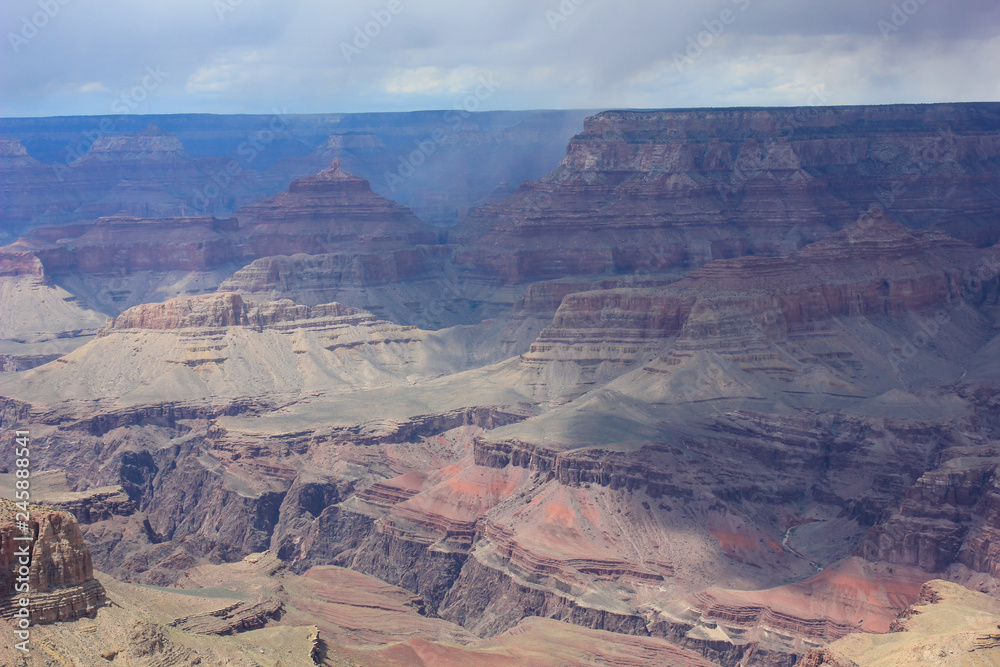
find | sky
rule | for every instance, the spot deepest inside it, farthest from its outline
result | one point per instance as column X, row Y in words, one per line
column 100, row 57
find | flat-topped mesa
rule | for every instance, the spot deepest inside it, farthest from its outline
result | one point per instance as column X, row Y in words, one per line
column 763, row 122
column 61, row 574
column 223, row 310
column 677, row 189
column 151, row 145
column 311, row 276
column 126, row 223
column 331, row 211
column 654, row 202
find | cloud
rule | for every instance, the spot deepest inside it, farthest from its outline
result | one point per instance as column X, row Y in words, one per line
column 93, row 87
column 260, row 54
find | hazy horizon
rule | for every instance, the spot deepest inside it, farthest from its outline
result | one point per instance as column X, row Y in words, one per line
column 65, row 58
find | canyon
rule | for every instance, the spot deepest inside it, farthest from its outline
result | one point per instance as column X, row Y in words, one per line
column 721, row 388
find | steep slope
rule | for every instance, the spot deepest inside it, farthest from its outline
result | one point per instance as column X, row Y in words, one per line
column 218, row 348
column 74, row 168
column 948, row 625
column 294, row 221
column 697, row 461
column 40, row 322
column 746, row 462
column 654, row 190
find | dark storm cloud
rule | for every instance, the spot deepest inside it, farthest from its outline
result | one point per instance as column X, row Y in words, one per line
column 81, row 56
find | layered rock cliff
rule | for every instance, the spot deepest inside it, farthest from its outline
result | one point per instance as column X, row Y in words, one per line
column 60, row 574
column 333, row 210
column 746, row 461
column 120, row 261
column 662, row 189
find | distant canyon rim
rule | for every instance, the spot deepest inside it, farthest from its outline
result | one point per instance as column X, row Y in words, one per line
column 636, row 387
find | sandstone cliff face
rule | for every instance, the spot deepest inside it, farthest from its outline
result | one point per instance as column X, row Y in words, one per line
column 24, row 191
column 61, row 577
column 120, row 261
column 772, row 314
column 220, row 311
column 948, row 518
column 146, row 174
column 150, row 145
column 123, row 245
column 13, row 154
column 662, row 189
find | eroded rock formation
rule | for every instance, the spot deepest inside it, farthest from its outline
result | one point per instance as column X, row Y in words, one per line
column 61, row 575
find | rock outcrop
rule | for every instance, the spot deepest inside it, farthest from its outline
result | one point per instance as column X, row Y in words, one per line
column 60, row 574
column 333, row 210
